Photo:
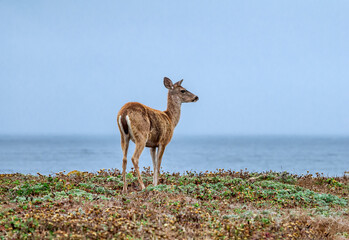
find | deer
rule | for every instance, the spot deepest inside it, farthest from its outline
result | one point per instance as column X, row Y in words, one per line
column 148, row 127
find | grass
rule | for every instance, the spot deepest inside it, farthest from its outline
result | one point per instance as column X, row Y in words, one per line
column 213, row 205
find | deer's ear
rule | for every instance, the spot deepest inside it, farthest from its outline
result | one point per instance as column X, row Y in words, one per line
column 168, row 83
column 179, row 83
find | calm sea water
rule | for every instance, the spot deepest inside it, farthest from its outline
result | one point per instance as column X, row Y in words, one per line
column 51, row 154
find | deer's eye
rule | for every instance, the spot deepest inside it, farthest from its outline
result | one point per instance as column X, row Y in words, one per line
column 183, row 91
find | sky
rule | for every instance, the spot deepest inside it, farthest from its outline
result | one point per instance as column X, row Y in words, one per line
column 258, row 67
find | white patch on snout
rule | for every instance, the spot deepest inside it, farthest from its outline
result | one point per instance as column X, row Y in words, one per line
column 129, row 126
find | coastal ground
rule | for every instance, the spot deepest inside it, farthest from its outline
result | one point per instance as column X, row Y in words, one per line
column 207, row 205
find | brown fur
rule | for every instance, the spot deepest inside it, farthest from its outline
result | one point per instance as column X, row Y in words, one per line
column 148, row 127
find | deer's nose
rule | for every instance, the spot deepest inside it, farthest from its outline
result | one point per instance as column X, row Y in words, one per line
column 196, row 99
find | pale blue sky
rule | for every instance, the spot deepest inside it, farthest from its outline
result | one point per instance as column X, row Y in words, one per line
column 259, row 67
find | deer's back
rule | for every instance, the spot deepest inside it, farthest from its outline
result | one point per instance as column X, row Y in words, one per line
column 146, row 122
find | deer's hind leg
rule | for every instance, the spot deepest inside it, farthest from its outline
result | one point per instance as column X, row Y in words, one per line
column 125, row 140
column 140, row 144
column 139, row 130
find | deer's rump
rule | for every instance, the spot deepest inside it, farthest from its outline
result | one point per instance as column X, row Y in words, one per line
column 141, row 122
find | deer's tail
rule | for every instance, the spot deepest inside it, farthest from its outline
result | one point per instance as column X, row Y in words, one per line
column 123, row 124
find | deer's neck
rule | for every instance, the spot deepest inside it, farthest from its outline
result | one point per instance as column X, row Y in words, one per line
column 173, row 109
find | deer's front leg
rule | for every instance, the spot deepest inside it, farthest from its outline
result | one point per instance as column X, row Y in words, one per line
column 154, row 157
column 161, row 150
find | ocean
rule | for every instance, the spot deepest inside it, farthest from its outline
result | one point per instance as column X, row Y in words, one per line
column 52, row 154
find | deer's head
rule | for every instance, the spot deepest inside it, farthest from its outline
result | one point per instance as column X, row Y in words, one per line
column 178, row 92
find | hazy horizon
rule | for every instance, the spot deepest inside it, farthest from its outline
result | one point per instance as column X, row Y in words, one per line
column 179, row 135
column 259, row 68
